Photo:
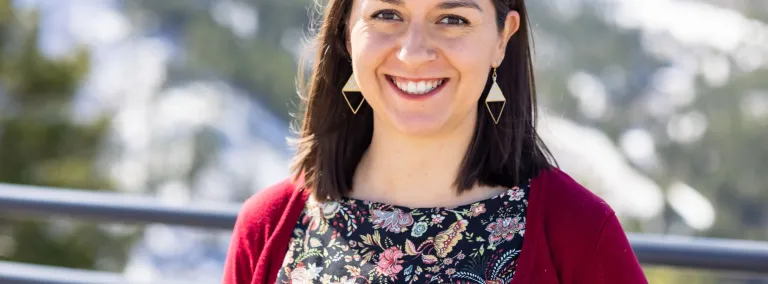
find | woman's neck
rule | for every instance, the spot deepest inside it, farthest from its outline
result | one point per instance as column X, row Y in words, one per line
column 414, row 171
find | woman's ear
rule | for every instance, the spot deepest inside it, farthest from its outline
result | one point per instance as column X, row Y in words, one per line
column 511, row 25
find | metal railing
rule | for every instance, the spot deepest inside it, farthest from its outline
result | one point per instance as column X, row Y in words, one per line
column 106, row 206
column 698, row 253
column 23, row 273
column 13, row 272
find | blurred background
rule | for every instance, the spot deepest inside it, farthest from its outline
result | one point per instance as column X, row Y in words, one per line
column 658, row 106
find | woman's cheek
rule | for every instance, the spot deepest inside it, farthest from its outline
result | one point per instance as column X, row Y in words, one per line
column 462, row 54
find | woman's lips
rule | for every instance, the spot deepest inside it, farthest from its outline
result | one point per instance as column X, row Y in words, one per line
column 416, row 89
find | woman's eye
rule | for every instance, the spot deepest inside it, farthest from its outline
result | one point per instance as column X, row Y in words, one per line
column 453, row 20
column 387, row 15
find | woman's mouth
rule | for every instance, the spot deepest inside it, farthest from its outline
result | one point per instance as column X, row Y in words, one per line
column 417, row 87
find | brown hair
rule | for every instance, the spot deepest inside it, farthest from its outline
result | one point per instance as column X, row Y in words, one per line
column 332, row 141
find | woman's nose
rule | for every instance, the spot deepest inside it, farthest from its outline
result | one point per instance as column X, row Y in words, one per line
column 416, row 49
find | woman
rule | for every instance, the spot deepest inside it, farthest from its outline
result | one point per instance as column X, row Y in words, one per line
column 418, row 161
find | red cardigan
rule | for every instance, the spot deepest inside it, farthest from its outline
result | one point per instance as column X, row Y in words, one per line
column 572, row 236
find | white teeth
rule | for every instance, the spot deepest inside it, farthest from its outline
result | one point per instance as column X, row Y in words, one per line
column 412, row 87
column 419, row 88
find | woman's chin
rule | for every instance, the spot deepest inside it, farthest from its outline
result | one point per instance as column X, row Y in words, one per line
column 422, row 125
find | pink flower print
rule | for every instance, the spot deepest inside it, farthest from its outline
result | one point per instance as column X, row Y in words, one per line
column 302, row 274
column 516, row 194
column 437, row 219
column 395, row 221
column 504, row 229
column 344, row 280
column 390, row 262
column 450, row 271
column 477, row 209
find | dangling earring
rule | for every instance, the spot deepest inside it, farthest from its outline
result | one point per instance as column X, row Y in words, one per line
column 352, row 86
column 494, row 96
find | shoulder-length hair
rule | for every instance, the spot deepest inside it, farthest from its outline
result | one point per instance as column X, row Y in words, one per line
column 332, row 140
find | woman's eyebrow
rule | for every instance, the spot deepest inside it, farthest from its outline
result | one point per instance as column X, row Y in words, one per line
column 460, row 4
column 393, row 2
column 444, row 5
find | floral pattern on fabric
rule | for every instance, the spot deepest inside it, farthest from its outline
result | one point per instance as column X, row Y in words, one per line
column 355, row 241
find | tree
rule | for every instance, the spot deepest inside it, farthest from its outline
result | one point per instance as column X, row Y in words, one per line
column 40, row 145
column 725, row 162
column 259, row 63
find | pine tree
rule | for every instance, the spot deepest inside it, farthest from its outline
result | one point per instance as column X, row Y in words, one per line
column 40, row 145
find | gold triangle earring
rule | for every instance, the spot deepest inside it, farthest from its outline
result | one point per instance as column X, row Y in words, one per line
column 351, row 86
column 495, row 96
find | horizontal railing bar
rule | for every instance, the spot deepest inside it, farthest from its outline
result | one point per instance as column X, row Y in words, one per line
column 701, row 253
column 21, row 273
column 111, row 207
column 697, row 253
column 24, row 273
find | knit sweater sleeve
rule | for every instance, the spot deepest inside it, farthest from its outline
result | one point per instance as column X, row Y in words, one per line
column 587, row 243
column 613, row 260
column 256, row 222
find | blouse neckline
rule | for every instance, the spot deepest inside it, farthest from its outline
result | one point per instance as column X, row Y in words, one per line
column 368, row 203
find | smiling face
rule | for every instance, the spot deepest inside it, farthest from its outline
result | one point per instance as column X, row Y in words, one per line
column 422, row 64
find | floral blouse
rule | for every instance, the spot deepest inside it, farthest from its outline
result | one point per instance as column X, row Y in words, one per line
column 355, row 241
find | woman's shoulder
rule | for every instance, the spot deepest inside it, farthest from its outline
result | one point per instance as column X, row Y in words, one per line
column 258, row 220
column 270, row 203
column 566, row 197
column 583, row 235
column 574, row 218
column 570, row 213
column 263, row 211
